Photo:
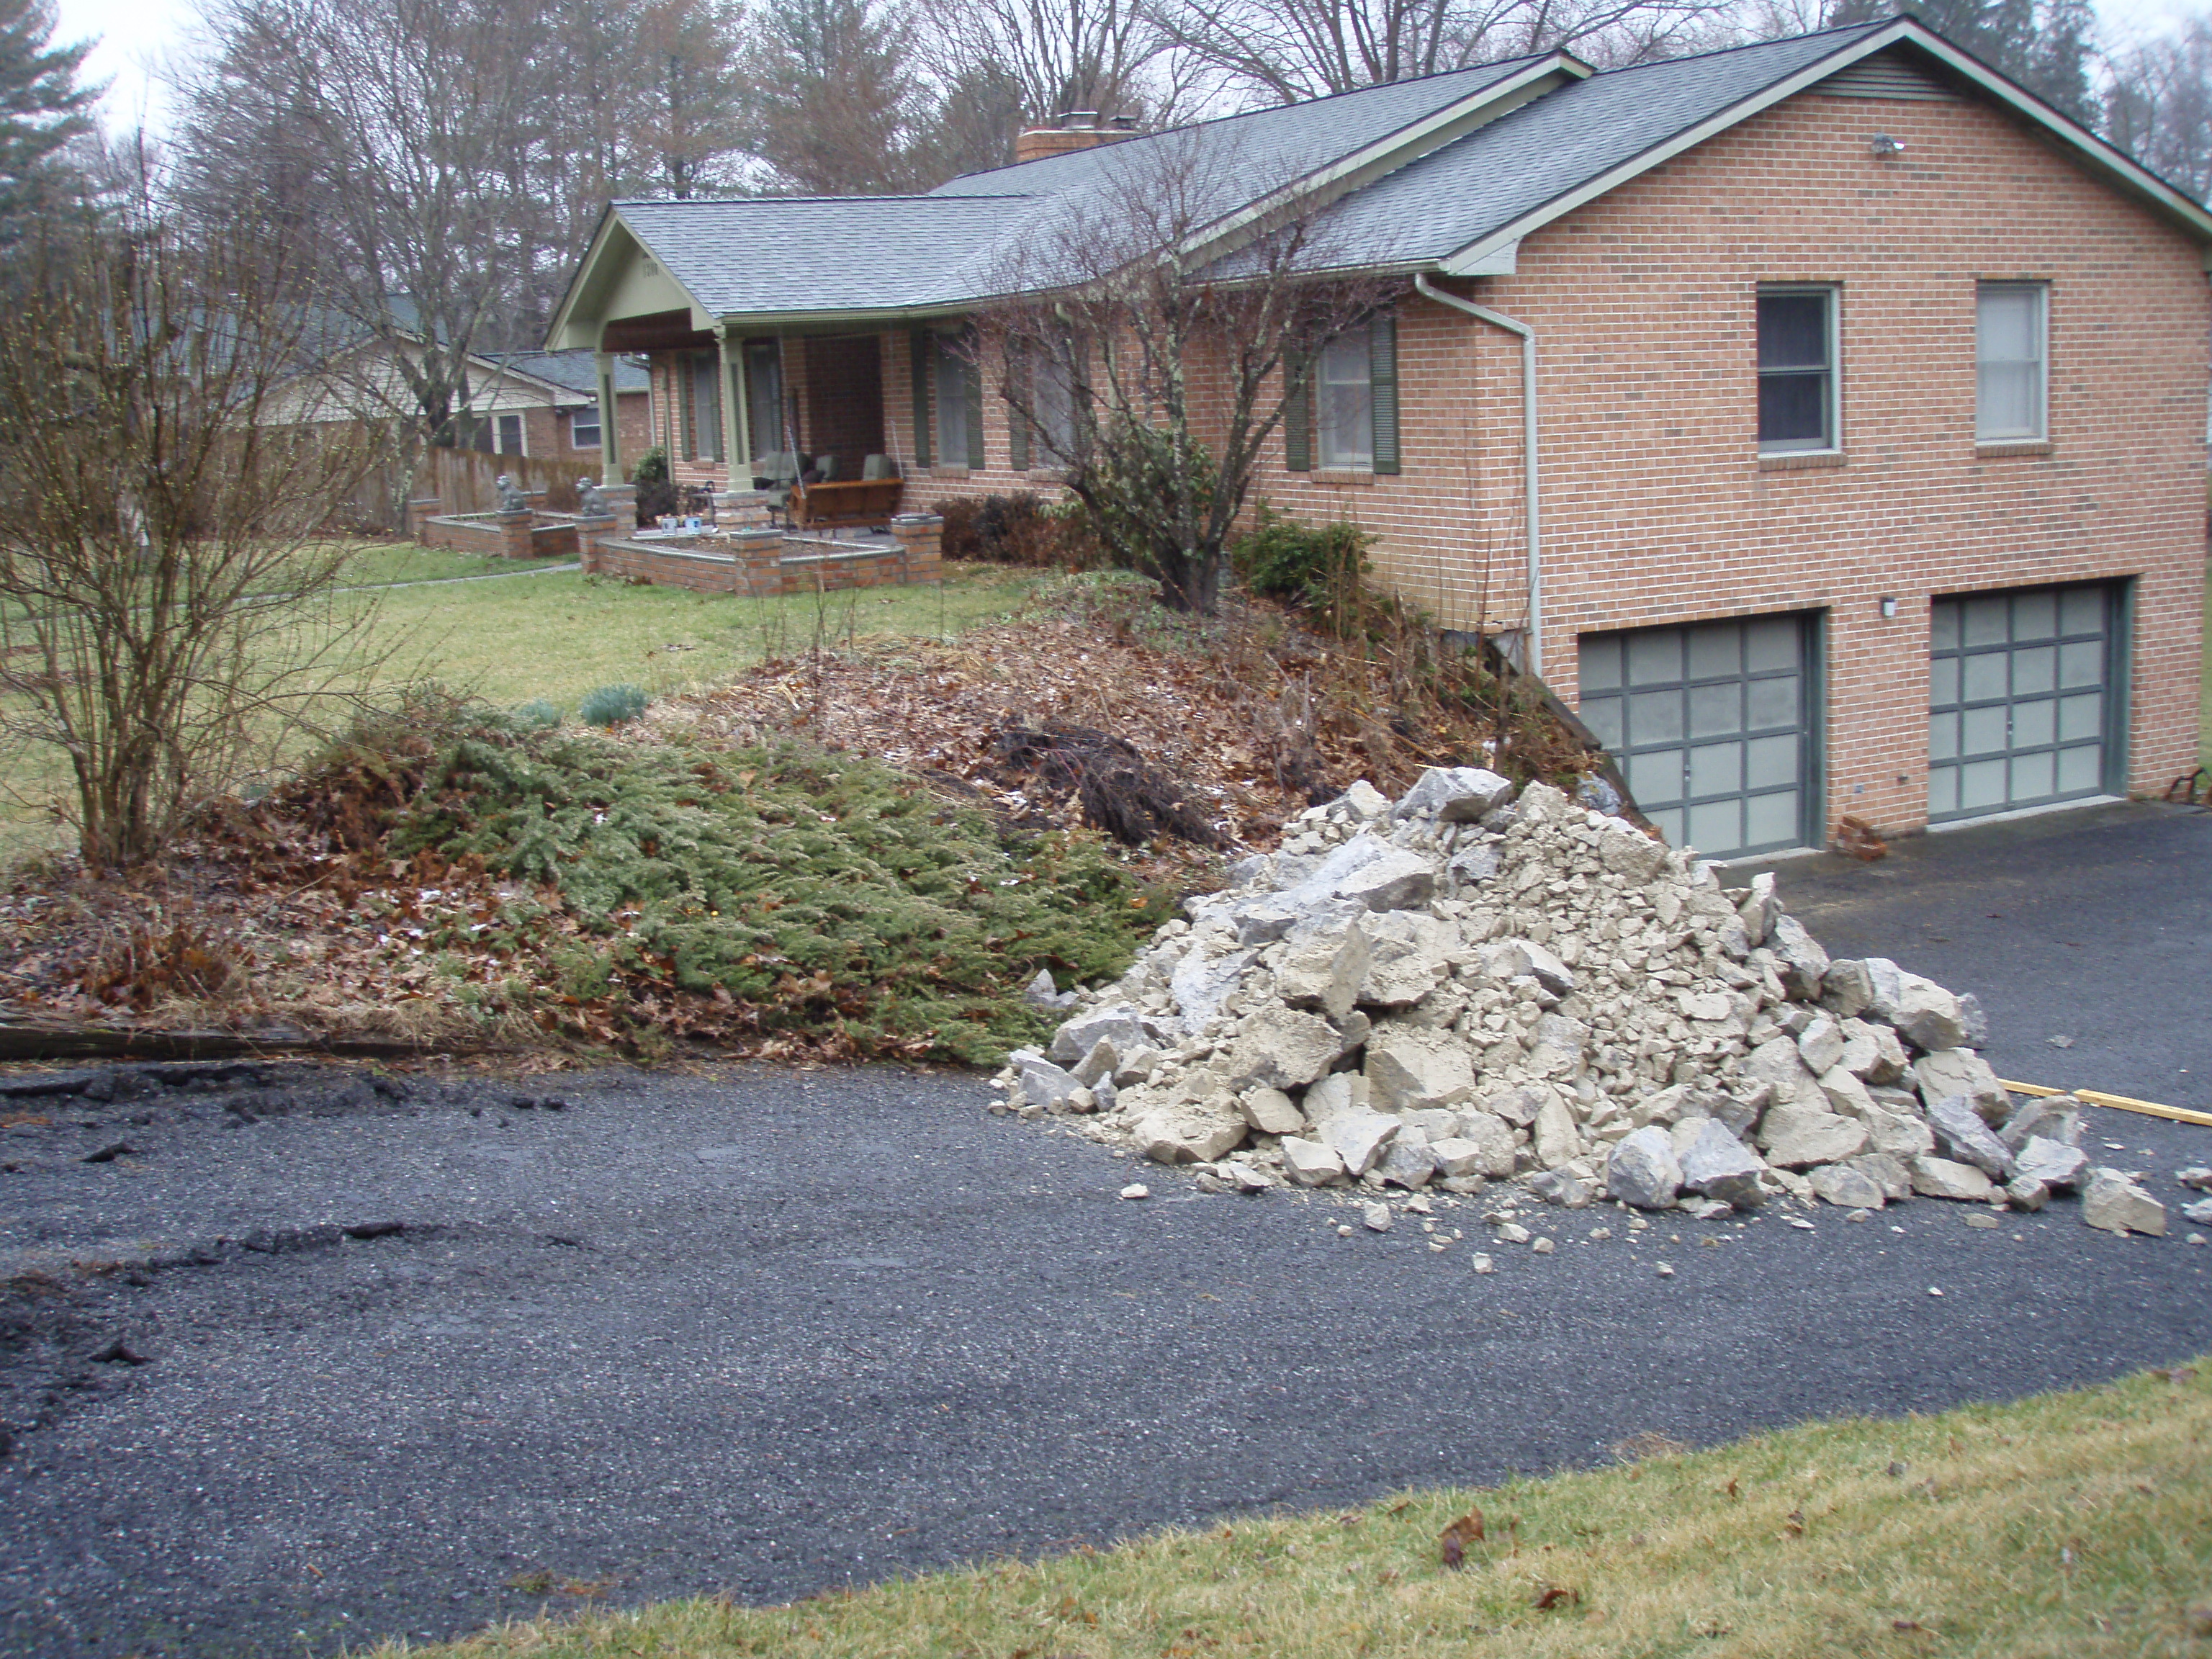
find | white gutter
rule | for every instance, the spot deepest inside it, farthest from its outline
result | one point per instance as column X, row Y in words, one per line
column 1533, row 656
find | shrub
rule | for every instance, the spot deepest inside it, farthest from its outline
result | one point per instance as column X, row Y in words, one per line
column 538, row 715
column 612, row 705
column 1320, row 567
column 652, row 467
column 1022, row 529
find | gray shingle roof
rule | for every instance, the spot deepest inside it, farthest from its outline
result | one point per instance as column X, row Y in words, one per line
column 576, row 370
column 771, row 254
column 1517, row 164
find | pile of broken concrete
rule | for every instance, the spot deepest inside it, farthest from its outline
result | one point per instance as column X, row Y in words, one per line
column 1467, row 986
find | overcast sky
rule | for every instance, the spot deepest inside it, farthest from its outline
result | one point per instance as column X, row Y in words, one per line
column 137, row 37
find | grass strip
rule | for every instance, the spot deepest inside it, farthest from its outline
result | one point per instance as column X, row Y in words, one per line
column 2064, row 1526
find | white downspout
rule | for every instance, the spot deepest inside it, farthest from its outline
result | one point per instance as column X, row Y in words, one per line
column 1533, row 655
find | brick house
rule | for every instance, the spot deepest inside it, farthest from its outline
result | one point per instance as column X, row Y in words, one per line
column 546, row 404
column 1824, row 419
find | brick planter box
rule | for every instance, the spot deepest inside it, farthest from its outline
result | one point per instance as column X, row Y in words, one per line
column 500, row 535
column 767, row 563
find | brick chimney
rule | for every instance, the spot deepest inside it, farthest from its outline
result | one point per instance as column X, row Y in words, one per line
column 1080, row 129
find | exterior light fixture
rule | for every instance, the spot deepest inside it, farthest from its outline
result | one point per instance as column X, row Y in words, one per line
column 1888, row 606
column 1885, row 147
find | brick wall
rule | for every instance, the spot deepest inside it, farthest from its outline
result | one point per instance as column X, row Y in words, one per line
column 1656, row 508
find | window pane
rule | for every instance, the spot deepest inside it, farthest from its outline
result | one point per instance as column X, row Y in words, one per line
column 1771, row 819
column 1603, row 716
column 1774, row 642
column 2007, row 401
column 1942, row 681
column 1943, row 737
column 1983, row 731
column 1771, row 762
column 2034, row 669
column 1715, row 651
column 2081, row 609
column 2081, row 769
column 2008, row 356
column 1943, row 625
column 1347, row 402
column 2082, row 716
column 1942, row 790
column 1717, row 827
column 2034, row 722
column 1715, row 709
column 1770, row 704
column 1716, row 768
column 1793, row 411
column 1655, row 658
column 951, row 403
column 1655, row 717
column 1656, row 778
column 2034, row 776
column 1793, row 330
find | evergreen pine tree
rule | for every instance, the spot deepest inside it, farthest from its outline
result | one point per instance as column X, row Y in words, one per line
column 42, row 109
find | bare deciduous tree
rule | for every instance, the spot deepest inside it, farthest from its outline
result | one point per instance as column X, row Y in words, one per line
column 166, row 611
column 1059, row 55
column 1156, row 336
column 838, row 109
column 2159, row 105
column 1298, row 49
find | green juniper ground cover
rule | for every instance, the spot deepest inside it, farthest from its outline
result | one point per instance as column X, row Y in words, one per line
column 628, row 889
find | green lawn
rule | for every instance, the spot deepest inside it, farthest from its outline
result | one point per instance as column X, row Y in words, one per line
column 558, row 636
column 377, row 563
column 2066, row 1526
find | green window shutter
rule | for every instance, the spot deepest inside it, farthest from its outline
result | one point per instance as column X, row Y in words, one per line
column 1298, row 417
column 686, row 389
column 922, row 365
column 1017, row 425
column 1383, row 371
column 974, row 373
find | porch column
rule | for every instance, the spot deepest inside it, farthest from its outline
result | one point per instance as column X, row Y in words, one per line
column 736, row 441
column 609, row 424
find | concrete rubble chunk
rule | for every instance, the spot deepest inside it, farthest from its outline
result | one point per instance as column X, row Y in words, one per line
column 1396, row 881
column 1961, row 1072
column 1872, row 1053
column 1776, row 1063
column 1798, row 1136
column 1336, row 1094
column 1560, row 1187
column 1847, row 1188
column 1377, row 1218
column 2026, row 1193
column 1041, row 1083
column 1312, row 1163
column 1495, row 1137
column 2054, row 1117
column 1407, row 953
column 1406, row 1161
column 1509, row 959
column 1360, row 1138
column 1363, row 802
column 1556, row 1139
column 1271, row 1112
column 1820, row 1044
column 1939, row 1177
column 1626, row 851
column 1759, row 910
column 2114, row 1203
column 1118, row 1026
column 1283, row 1049
column 1453, row 795
column 1890, row 1174
column 1189, row 1133
column 1325, row 971
column 1927, row 1016
column 1100, row 1062
column 1201, row 983
column 1962, row 1134
column 1718, row 1165
column 1411, row 1068
column 1642, row 1171
column 2053, row 1163
column 1473, row 866
column 1802, row 964
column 1456, row 1156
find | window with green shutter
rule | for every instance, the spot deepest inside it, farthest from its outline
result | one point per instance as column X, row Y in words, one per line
column 1382, row 374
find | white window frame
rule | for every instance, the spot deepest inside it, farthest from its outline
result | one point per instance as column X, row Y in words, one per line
column 2039, row 429
column 581, row 420
column 499, row 420
column 1337, row 450
column 1832, row 441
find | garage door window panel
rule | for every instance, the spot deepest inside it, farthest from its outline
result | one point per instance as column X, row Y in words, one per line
column 1716, row 710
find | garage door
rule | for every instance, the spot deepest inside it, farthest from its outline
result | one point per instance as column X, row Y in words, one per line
column 1712, row 725
column 2020, row 699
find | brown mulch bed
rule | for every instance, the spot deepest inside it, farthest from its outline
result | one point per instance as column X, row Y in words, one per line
column 1243, row 720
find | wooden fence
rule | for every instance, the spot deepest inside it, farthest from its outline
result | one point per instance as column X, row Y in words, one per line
column 461, row 481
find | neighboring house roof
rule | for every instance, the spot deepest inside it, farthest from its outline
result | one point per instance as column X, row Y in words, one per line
column 1446, row 174
column 575, row 371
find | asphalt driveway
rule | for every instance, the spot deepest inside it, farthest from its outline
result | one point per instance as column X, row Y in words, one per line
column 350, row 1363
